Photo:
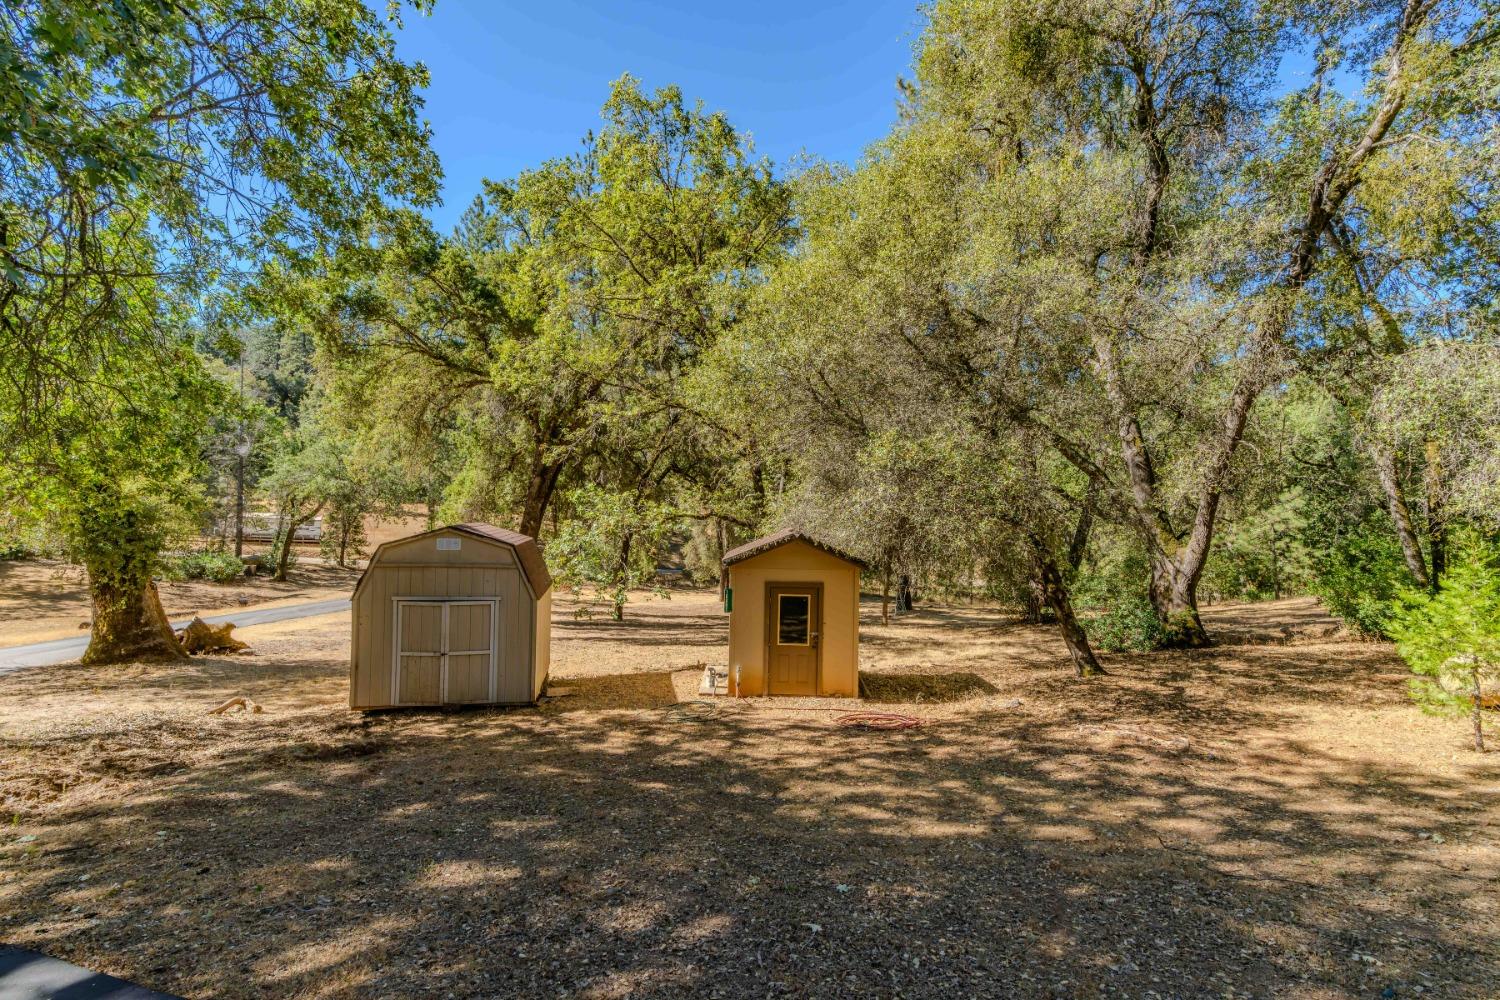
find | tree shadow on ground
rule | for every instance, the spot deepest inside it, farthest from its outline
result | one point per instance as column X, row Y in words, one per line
column 1162, row 830
column 752, row 854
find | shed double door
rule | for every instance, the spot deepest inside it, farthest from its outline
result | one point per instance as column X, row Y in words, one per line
column 793, row 646
column 446, row 651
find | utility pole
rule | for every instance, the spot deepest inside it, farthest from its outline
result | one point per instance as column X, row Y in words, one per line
column 241, row 451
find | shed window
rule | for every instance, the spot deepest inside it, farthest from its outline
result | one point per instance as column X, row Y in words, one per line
column 791, row 619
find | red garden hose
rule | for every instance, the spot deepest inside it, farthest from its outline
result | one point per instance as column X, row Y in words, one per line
column 885, row 721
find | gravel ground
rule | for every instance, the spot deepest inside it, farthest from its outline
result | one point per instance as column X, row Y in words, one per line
column 1268, row 818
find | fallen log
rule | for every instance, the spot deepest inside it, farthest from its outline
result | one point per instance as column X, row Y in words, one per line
column 242, row 703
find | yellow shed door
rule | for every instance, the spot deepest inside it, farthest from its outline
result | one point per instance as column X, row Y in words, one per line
column 446, row 652
column 793, row 648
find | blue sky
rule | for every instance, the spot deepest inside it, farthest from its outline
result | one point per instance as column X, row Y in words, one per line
column 515, row 83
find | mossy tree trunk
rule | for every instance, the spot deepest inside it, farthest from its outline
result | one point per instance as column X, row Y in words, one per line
column 119, row 548
column 129, row 624
column 1384, row 460
column 1174, row 595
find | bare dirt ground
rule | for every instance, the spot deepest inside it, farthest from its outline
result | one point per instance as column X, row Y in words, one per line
column 1267, row 818
column 41, row 599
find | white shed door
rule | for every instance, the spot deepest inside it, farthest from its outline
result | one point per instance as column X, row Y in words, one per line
column 446, row 651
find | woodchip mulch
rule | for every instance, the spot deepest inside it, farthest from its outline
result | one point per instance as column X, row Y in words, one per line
column 1266, row 818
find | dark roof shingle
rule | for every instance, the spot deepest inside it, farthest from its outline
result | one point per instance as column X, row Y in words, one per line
column 527, row 552
column 777, row 539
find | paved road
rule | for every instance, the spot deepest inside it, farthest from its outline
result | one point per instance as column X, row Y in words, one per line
column 41, row 654
column 30, row 975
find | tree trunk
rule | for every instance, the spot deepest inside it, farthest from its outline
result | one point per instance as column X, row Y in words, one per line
column 1054, row 590
column 757, row 488
column 129, row 623
column 538, row 497
column 1031, row 611
column 284, row 547
column 885, row 597
column 904, row 599
column 1384, row 460
column 291, row 521
column 723, row 547
column 1176, row 564
column 1174, row 595
column 1478, row 713
column 1437, row 529
column 1275, row 567
column 622, row 579
column 1079, row 545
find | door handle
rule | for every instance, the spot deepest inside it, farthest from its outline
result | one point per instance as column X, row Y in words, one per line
column 814, row 637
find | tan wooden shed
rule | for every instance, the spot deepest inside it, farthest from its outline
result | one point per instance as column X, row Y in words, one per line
column 793, row 607
column 460, row 615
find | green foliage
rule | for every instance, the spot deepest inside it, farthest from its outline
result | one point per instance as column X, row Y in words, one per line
column 148, row 143
column 219, row 567
column 557, row 342
column 702, row 552
column 1262, row 554
column 1358, row 576
column 902, row 500
column 22, row 538
column 343, row 539
column 1110, row 591
column 1451, row 640
column 1059, row 295
column 148, row 148
column 119, row 476
column 1129, row 623
column 612, row 543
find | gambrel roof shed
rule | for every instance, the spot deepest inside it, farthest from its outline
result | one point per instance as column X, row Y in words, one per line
column 459, row 615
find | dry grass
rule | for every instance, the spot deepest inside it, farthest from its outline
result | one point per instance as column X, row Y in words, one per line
column 41, row 599
column 1267, row 818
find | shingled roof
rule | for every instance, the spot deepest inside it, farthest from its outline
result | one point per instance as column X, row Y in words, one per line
column 527, row 552
column 533, row 566
column 754, row 548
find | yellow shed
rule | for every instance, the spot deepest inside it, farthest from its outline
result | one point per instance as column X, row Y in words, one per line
column 793, row 617
column 460, row 615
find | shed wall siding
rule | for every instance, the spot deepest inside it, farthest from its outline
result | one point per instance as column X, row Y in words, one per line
column 543, row 644
column 796, row 562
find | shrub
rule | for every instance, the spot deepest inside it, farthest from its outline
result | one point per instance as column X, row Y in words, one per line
column 220, row 567
column 1129, row 623
column 1451, row 640
column 1114, row 609
column 1359, row 576
column 28, row 541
